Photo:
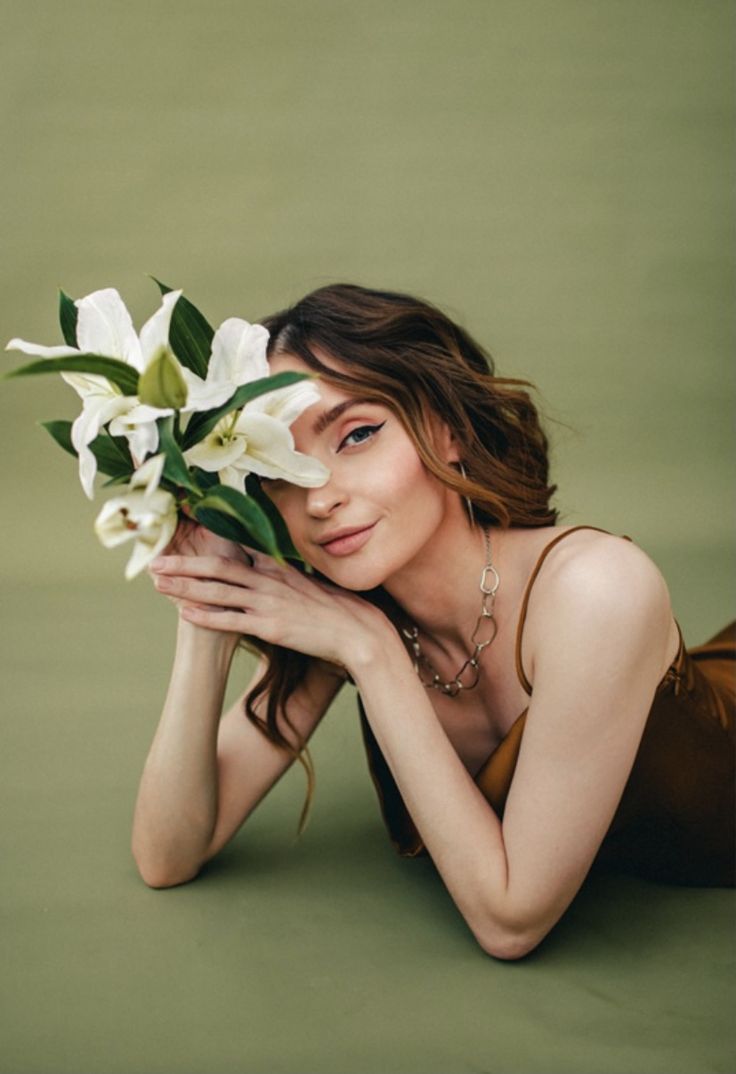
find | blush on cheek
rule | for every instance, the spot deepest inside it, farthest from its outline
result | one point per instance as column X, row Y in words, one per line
column 402, row 478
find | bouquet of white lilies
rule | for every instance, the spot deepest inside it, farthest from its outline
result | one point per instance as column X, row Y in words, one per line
column 184, row 416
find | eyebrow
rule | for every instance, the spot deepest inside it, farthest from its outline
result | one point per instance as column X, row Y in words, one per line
column 327, row 417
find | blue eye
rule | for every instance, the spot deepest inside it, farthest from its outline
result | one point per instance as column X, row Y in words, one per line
column 369, row 429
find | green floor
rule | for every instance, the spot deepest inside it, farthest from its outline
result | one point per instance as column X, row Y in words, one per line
column 558, row 177
column 330, row 956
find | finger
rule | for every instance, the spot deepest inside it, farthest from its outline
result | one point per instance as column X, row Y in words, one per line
column 204, row 567
column 203, row 591
column 225, row 568
column 266, row 564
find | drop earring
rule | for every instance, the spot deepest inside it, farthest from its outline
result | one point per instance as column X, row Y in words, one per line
column 467, row 499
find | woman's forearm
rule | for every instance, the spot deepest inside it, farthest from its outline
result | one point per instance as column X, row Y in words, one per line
column 176, row 807
column 459, row 828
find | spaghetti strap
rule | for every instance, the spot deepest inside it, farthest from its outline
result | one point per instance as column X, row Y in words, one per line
column 527, row 593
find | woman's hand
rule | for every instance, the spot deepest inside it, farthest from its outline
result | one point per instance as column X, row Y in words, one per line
column 277, row 604
column 192, row 539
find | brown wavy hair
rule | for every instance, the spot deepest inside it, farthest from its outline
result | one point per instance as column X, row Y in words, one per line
column 406, row 354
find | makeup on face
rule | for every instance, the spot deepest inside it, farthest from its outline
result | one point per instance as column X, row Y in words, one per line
column 380, row 503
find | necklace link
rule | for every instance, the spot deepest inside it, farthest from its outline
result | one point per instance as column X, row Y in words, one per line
column 494, row 630
column 489, row 583
column 489, row 568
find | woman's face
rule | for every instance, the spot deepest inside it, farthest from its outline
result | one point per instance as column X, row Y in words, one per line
column 378, row 486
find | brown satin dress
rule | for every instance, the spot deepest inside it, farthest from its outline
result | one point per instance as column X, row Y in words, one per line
column 675, row 819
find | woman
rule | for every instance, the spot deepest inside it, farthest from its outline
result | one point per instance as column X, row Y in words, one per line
column 527, row 704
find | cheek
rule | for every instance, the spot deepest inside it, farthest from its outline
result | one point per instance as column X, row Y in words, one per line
column 392, row 480
column 401, row 479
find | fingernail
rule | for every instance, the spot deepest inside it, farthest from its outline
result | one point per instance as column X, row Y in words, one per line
column 157, row 563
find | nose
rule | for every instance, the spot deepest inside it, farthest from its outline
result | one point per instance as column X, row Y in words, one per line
column 323, row 501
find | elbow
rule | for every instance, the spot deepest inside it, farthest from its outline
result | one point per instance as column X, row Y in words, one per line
column 157, row 878
column 508, row 947
column 158, row 874
column 510, row 941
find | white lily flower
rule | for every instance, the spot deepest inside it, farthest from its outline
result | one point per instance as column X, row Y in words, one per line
column 105, row 327
column 238, row 357
column 139, row 427
column 145, row 514
column 257, row 440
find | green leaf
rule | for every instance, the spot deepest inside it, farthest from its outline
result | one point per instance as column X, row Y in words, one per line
column 204, row 478
column 121, row 479
column 112, row 452
column 283, row 537
column 190, row 335
column 203, row 422
column 68, row 319
column 226, row 527
column 175, row 465
column 161, row 383
column 62, row 434
column 119, row 373
column 253, row 525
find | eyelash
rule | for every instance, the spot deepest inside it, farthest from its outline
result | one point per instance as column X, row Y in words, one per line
column 272, row 482
column 359, row 429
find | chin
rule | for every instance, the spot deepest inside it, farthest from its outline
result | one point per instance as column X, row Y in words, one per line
column 354, row 576
column 356, row 581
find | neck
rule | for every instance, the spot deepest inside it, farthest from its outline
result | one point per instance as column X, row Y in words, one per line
column 439, row 588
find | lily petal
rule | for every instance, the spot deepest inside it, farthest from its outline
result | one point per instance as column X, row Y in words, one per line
column 138, row 426
column 143, row 552
column 85, row 384
column 157, row 526
column 205, row 394
column 39, row 350
column 238, row 352
column 110, row 524
column 143, row 439
column 96, row 412
column 148, row 519
column 142, row 413
column 286, row 404
column 148, row 475
column 104, row 327
column 234, row 477
column 216, row 450
column 270, row 452
column 155, row 332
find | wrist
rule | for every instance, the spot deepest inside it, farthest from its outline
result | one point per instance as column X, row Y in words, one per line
column 218, row 645
column 374, row 649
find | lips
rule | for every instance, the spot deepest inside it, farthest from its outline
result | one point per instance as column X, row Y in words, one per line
column 347, row 531
column 343, row 542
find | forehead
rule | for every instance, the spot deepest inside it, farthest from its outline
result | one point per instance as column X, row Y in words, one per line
column 287, row 363
column 284, row 362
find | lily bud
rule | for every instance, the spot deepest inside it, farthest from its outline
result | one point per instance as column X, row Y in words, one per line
column 161, row 384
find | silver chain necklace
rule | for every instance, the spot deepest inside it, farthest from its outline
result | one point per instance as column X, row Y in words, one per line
column 489, row 582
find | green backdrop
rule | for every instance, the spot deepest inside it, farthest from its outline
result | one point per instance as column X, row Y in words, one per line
column 557, row 176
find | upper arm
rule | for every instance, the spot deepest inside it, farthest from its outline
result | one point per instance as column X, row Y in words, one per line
column 599, row 640
column 248, row 763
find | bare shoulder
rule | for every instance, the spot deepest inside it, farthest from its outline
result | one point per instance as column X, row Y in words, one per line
column 597, row 589
column 602, row 566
